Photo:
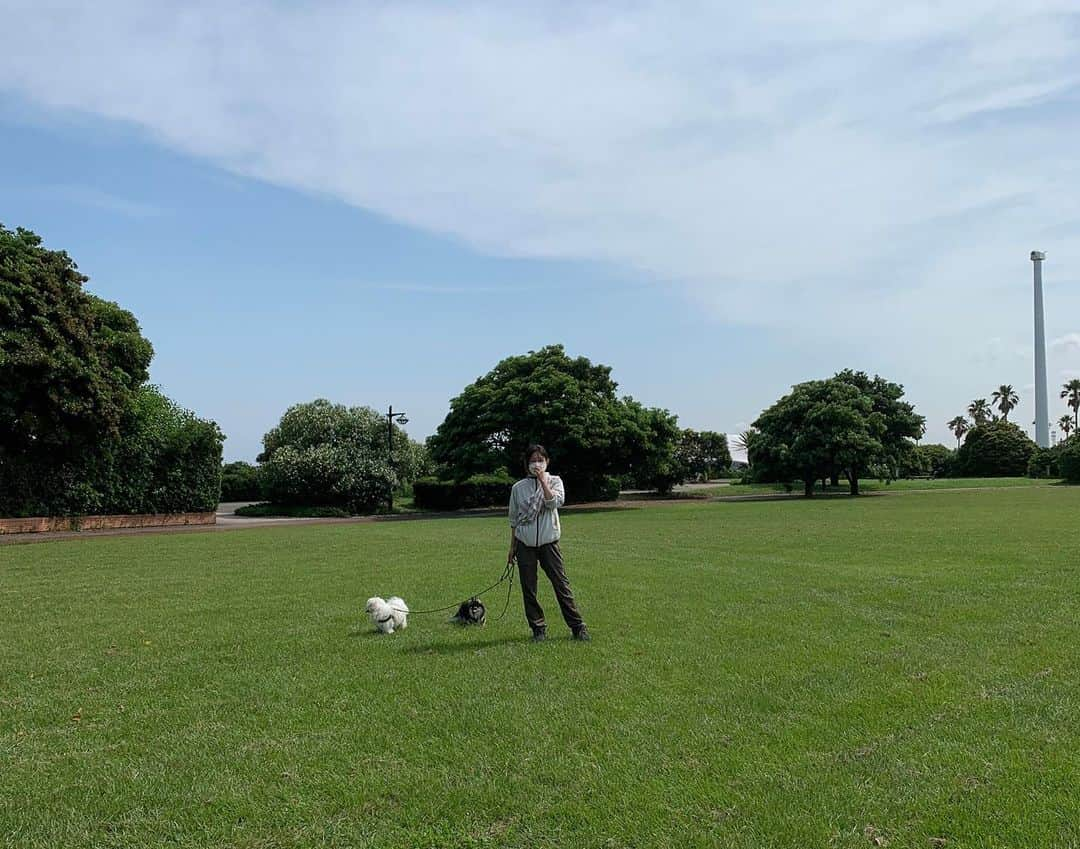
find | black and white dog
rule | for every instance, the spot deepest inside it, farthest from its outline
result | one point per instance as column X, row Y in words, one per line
column 471, row 612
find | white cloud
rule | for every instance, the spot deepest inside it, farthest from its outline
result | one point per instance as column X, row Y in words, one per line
column 1069, row 343
column 866, row 170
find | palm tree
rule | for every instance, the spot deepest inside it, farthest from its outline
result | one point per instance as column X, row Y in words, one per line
column 959, row 426
column 979, row 410
column 742, row 443
column 1005, row 399
column 1071, row 393
column 1067, row 425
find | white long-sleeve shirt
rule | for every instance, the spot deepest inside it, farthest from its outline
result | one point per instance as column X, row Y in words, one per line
column 535, row 519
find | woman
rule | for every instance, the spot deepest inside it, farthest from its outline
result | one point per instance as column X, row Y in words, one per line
column 534, row 538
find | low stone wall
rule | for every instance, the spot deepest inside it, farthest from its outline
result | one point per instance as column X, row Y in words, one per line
column 46, row 524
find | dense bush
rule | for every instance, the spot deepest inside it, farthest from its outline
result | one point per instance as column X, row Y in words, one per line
column 240, row 482
column 931, row 460
column 164, row 459
column 332, row 475
column 477, row 491
column 331, row 455
column 1045, row 463
column 995, row 449
column 1069, row 459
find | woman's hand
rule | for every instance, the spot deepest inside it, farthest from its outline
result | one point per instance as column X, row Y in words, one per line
column 512, row 556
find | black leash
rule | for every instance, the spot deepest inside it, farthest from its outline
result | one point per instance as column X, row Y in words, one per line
column 507, row 575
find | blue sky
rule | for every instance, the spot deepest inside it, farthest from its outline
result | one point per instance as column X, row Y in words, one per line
column 375, row 203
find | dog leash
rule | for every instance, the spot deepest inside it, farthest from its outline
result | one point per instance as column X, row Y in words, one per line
column 507, row 575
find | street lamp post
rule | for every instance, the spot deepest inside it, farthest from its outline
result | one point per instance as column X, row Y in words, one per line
column 392, row 417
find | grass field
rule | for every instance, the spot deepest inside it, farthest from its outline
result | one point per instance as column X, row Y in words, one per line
column 905, row 485
column 852, row 673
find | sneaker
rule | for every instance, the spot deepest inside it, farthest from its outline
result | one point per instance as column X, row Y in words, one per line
column 539, row 635
column 582, row 634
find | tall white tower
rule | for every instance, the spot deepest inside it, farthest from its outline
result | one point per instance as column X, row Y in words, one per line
column 1042, row 420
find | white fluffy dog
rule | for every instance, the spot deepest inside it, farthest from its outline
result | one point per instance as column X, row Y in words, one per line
column 388, row 615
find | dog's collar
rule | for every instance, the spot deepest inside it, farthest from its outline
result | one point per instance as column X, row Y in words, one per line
column 387, row 619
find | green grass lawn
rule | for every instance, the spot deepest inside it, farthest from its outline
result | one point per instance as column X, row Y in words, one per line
column 850, row 673
column 869, row 485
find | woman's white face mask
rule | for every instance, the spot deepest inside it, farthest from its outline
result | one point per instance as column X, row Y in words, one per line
column 537, row 466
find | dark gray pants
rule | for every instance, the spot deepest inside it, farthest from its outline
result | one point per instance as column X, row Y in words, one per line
column 550, row 560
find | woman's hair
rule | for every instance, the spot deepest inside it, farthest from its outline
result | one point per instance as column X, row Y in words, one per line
column 536, row 449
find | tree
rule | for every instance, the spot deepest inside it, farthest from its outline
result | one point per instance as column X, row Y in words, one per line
column 1067, row 425
column 1006, row 400
column 655, row 463
column 959, row 426
column 995, row 449
column 1071, row 393
column 703, row 453
column 933, row 460
column 331, row 455
column 821, row 425
column 902, row 423
column 570, row 406
column 742, row 443
column 979, row 411
column 80, row 430
column 70, row 363
column 240, row 482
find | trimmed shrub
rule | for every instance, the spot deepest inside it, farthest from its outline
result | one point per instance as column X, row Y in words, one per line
column 476, row 491
column 994, row 449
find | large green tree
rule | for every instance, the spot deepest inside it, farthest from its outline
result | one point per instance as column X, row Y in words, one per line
column 71, row 363
column 902, row 424
column 821, row 425
column 570, row 406
column 850, row 424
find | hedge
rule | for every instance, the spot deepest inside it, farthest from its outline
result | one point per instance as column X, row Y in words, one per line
column 476, row 491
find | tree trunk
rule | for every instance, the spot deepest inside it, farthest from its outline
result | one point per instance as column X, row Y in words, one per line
column 835, row 479
column 808, row 486
column 853, row 479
